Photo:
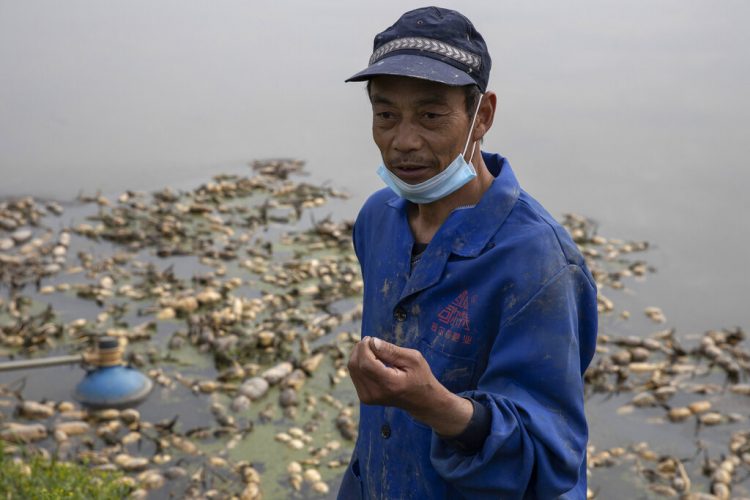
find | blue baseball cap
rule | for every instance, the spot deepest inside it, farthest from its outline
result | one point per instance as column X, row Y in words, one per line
column 434, row 44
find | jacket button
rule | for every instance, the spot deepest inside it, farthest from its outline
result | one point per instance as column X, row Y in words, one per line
column 385, row 431
column 399, row 314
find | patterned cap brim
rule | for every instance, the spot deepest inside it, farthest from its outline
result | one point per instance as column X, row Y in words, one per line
column 415, row 66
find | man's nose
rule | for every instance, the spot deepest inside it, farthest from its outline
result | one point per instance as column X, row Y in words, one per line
column 407, row 138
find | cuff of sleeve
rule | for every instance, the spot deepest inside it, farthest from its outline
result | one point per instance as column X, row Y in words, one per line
column 472, row 438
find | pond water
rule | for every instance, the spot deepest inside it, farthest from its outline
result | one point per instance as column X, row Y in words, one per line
column 635, row 114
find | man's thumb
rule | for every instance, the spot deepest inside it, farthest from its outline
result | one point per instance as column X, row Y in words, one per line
column 384, row 351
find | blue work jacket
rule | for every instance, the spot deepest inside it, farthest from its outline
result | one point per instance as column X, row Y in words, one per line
column 503, row 308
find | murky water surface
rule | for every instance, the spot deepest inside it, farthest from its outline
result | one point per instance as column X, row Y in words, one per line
column 633, row 114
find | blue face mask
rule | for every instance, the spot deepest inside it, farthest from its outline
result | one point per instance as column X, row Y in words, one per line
column 452, row 178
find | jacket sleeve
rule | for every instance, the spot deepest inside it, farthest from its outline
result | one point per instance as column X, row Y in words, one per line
column 533, row 387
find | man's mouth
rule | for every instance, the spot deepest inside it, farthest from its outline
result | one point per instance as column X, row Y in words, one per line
column 412, row 173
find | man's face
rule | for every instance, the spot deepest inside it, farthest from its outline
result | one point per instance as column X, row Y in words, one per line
column 419, row 126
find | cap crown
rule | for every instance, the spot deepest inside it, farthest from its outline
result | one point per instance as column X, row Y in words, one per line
column 441, row 34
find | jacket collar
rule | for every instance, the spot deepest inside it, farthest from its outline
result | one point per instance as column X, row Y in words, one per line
column 466, row 231
column 469, row 229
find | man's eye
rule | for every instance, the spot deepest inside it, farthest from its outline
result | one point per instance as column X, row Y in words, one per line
column 385, row 115
column 431, row 116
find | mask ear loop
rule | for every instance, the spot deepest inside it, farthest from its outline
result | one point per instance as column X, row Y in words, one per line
column 471, row 129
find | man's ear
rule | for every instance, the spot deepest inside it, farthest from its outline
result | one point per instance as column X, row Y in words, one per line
column 486, row 115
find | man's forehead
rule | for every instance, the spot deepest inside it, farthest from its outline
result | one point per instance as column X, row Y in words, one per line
column 415, row 88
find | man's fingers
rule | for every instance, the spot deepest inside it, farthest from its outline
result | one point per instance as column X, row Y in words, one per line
column 363, row 361
column 391, row 354
column 365, row 367
column 358, row 372
column 354, row 357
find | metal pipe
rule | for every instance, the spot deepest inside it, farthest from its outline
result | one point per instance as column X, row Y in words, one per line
column 41, row 362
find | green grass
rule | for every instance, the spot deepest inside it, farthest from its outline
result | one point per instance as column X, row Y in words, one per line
column 39, row 479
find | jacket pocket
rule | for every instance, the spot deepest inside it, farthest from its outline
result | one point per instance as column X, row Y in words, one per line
column 351, row 483
column 456, row 373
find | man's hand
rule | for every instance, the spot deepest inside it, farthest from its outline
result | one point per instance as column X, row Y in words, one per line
column 388, row 375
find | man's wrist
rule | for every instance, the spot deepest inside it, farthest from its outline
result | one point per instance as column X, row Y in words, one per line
column 448, row 414
column 475, row 434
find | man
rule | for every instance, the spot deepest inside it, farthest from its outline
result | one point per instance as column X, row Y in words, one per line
column 479, row 313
